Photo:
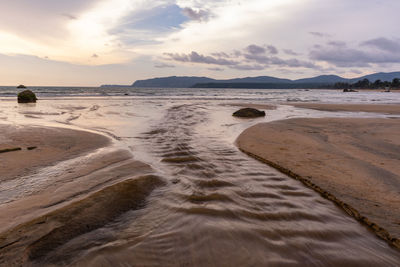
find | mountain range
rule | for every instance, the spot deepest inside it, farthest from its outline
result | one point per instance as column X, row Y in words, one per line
column 258, row 82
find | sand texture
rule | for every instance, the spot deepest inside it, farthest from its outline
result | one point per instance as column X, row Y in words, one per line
column 63, row 188
column 355, row 161
column 376, row 108
column 50, row 145
column 251, row 105
column 39, row 239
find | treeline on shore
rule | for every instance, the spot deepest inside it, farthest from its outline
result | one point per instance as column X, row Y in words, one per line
column 362, row 84
column 262, row 85
column 366, row 84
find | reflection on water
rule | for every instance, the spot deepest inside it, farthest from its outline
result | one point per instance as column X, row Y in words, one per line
column 216, row 206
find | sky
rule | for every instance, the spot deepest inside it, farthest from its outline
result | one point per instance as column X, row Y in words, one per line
column 94, row 42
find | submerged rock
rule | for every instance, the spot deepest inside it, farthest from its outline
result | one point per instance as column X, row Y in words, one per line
column 27, row 96
column 249, row 113
column 21, row 86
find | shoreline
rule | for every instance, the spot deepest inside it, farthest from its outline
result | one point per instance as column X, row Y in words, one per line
column 392, row 109
column 297, row 148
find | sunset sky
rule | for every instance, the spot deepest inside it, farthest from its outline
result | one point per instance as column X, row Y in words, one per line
column 94, row 42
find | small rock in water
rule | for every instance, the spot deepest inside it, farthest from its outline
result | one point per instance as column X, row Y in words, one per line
column 27, row 96
column 249, row 113
column 349, row 90
column 21, row 86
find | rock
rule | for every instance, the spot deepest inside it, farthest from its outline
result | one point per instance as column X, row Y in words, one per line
column 21, row 86
column 27, row 96
column 249, row 113
column 10, row 149
column 349, row 90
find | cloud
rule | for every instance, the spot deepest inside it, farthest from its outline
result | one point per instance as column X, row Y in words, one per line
column 249, row 67
column 319, row 34
column 18, row 16
column 384, row 44
column 163, row 66
column 195, row 57
column 220, row 54
column 281, row 62
column 255, row 49
column 290, row 52
column 272, row 50
column 341, row 57
column 337, row 43
column 253, row 57
column 216, row 69
column 95, row 56
column 374, row 51
column 356, row 71
column 198, row 15
column 70, row 31
column 69, row 16
column 150, row 21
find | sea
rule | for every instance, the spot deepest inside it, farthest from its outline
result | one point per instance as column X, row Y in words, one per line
column 271, row 95
column 216, row 205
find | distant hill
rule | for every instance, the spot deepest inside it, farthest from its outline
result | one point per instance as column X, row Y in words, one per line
column 258, row 82
column 115, row 85
column 173, row 81
column 259, row 79
column 327, row 79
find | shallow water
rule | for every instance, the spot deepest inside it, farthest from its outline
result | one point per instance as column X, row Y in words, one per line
column 218, row 207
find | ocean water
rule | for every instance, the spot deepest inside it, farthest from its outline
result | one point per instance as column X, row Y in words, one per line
column 271, row 95
column 215, row 206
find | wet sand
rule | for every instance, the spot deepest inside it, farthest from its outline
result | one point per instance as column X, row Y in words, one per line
column 70, row 184
column 50, row 145
column 37, row 240
column 355, row 162
column 251, row 105
column 376, row 108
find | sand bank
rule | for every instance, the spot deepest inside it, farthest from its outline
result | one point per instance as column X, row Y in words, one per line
column 62, row 189
column 355, row 162
column 376, row 108
column 58, row 171
column 39, row 239
column 50, row 146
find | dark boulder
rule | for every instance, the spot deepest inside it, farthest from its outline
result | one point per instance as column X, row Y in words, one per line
column 349, row 90
column 249, row 113
column 27, row 96
column 21, row 86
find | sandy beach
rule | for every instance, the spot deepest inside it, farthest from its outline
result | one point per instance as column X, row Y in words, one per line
column 170, row 189
column 355, row 160
column 50, row 145
column 66, row 201
column 375, row 108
